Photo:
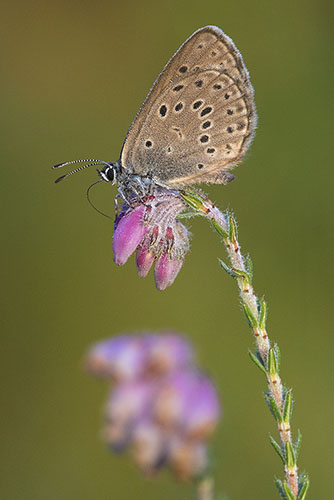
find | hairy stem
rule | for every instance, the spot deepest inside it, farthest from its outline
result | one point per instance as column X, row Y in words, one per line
column 267, row 357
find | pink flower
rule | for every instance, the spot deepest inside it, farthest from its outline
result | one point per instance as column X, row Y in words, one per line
column 165, row 271
column 128, row 233
column 144, row 260
column 151, row 226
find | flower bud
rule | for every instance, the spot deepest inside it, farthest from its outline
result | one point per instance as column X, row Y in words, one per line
column 144, row 260
column 166, row 269
column 128, row 233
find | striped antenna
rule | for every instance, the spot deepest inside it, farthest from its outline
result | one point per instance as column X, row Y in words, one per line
column 88, row 160
column 91, row 164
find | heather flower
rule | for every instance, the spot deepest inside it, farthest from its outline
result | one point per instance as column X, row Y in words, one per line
column 118, row 358
column 168, row 352
column 150, row 225
column 129, row 231
column 188, row 400
column 129, row 357
column 161, row 408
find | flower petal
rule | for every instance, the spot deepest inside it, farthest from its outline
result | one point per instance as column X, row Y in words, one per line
column 128, row 233
column 144, row 260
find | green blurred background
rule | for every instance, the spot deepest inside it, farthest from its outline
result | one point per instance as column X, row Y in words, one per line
column 73, row 76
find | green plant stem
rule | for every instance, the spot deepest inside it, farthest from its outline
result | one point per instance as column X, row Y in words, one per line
column 205, row 489
column 267, row 358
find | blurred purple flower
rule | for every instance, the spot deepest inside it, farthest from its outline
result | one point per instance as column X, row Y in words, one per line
column 151, row 226
column 188, row 400
column 120, row 358
column 129, row 357
column 167, row 352
column 162, row 407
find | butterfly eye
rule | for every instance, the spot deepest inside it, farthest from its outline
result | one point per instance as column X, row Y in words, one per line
column 110, row 174
column 107, row 174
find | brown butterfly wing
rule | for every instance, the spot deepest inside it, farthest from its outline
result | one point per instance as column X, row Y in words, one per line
column 198, row 119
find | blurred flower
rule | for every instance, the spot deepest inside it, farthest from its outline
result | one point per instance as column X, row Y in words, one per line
column 151, row 226
column 188, row 458
column 188, row 400
column 162, row 407
column 129, row 357
column 167, row 352
column 117, row 358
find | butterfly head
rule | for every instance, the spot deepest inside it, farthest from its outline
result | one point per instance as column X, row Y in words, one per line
column 108, row 173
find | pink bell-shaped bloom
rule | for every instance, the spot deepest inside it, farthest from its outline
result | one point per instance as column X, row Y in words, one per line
column 128, row 233
column 163, row 271
column 151, row 225
column 144, row 259
column 167, row 267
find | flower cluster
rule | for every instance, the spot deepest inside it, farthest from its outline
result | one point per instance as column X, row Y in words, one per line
column 150, row 226
column 161, row 406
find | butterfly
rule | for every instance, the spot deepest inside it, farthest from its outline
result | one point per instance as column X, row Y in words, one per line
column 195, row 124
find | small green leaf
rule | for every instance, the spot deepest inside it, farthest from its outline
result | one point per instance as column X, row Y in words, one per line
column 287, row 409
column 249, row 315
column 257, row 361
column 249, row 266
column 289, row 455
column 297, row 444
column 241, row 274
column 279, row 486
column 187, row 215
column 278, row 357
column 304, row 484
column 273, row 408
column 303, row 491
column 272, row 367
column 192, row 198
column 233, row 234
column 277, row 448
column 219, row 229
column 288, row 492
column 227, row 269
column 263, row 314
